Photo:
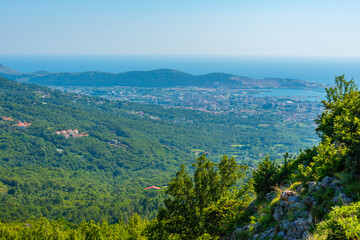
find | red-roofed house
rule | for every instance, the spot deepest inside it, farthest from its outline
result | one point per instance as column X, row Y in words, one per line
column 153, row 187
column 7, row 118
column 23, row 124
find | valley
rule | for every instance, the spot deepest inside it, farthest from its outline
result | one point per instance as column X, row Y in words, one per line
column 129, row 147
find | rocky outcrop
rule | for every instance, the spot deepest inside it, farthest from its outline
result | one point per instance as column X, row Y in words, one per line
column 292, row 212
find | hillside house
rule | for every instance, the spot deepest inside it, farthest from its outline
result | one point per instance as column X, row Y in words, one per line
column 7, row 119
column 153, row 187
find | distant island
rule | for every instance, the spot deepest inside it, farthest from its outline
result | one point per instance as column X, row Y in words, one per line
column 152, row 79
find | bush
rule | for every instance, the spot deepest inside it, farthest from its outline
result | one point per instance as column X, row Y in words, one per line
column 324, row 197
column 342, row 223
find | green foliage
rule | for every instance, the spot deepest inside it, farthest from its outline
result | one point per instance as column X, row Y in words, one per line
column 268, row 174
column 351, row 185
column 330, row 159
column 339, row 124
column 286, row 168
column 203, row 205
column 265, row 177
column 302, row 165
column 341, row 223
column 62, row 230
column 243, row 235
column 324, row 199
column 79, row 179
column 339, row 129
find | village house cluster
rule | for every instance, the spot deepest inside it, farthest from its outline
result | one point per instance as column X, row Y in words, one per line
column 19, row 124
column 23, row 124
column 71, row 133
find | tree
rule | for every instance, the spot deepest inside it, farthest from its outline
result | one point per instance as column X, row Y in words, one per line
column 335, row 106
column 197, row 205
column 265, row 177
column 339, row 124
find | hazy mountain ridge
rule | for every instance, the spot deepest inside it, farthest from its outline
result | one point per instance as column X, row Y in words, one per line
column 8, row 71
column 154, row 78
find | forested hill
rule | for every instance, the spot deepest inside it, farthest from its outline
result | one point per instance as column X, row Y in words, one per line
column 155, row 78
column 111, row 151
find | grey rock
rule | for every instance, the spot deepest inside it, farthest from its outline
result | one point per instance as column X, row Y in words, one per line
column 306, row 235
column 297, row 228
column 310, row 220
column 286, row 194
column 326, row 182
column 312, row 186
column 336, row 186
column 305, row 214
column 283, row 204
column 263, row 236
column 281, row 234
column 302, row 206
column 255, row 237
column 293, row 199
column 267, row 234
column 284, row 224
column 293, row 206
column 278, row 212
column 342, row 198
column 309, row 201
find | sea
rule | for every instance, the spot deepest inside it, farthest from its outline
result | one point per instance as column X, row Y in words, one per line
column 313, row 69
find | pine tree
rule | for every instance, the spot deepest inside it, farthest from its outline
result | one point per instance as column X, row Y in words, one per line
column 200, row 206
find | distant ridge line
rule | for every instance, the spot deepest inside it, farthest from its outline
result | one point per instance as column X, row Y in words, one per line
column 153, row 78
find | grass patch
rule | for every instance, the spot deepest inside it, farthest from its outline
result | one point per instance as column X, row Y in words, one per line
column 3, row 188
column 237, row 145
column 197, row 152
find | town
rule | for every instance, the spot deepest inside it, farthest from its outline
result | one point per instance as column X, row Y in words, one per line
column 241, row 102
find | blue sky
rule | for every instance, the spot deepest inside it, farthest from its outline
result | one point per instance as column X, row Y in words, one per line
column 168, row 27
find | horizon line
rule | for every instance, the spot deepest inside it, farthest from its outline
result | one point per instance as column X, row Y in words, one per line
column 176, row 55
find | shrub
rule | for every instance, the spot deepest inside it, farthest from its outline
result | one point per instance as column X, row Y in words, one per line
column 342, row 223
column 265, row 177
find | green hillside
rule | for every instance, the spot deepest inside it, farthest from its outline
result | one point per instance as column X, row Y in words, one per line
column 103, row 175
